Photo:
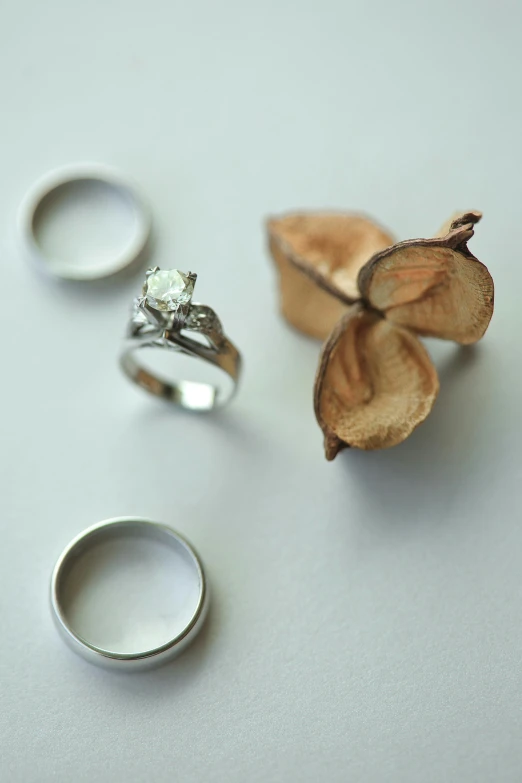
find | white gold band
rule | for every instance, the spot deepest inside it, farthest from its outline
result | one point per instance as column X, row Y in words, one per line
column 109, row 529
column 50, row 183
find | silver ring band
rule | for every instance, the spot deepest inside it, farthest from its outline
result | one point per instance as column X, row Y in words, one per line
column 94, row 172
column 185, row 327
column 108, row 529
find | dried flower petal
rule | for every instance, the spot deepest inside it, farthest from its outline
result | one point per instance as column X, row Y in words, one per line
column 434, row 286
column 319, row 257
column 375, row 383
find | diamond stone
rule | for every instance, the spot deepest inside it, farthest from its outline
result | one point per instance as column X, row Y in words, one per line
column 168, row 289
column 203, row 319
column 137, row 315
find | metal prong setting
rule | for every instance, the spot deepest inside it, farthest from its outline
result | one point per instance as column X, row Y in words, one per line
column 146, row 315
column 154, row 317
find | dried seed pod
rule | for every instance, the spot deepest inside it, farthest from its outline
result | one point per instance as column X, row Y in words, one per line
column 375, row 383
column 318, row 257
column 434, row 286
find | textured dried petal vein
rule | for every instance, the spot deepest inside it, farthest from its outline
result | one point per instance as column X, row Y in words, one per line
column 432, row 288
column 374, row 386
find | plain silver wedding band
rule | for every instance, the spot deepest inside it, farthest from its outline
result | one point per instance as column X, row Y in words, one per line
column 50, row 184
column 145, row 659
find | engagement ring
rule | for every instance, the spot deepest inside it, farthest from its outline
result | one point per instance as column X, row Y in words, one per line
column 165, row 319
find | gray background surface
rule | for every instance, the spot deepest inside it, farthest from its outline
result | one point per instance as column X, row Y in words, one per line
column 366, row 621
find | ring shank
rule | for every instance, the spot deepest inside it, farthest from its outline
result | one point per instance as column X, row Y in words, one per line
column 190, row 395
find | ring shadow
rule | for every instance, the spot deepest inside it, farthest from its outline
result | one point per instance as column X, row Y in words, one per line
column 183, row 671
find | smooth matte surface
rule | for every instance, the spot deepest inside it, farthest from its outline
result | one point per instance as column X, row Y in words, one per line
column 366, row 622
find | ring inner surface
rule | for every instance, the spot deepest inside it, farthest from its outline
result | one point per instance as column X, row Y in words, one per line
column 85, row 224
column 157, row 371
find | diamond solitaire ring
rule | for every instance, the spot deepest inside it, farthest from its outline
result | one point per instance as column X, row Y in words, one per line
column 164, row 317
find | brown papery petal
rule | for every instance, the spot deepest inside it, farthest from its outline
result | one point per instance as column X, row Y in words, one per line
column 375, row 384
column 457, row 220
column 318, row 256
column 433, row 286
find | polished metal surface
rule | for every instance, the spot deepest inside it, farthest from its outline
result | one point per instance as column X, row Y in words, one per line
column 110, row 529
column 192, row 329
column 50, row 184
